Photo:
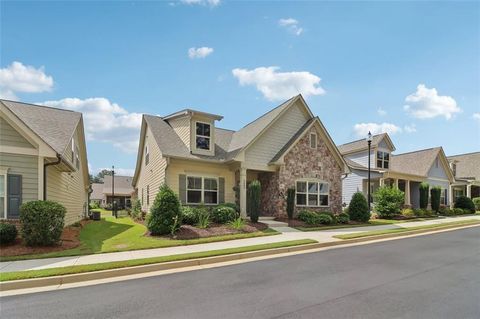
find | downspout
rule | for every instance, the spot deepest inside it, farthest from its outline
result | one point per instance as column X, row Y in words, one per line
column 59, row 159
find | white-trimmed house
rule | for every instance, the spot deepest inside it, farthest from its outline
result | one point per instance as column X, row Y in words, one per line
column 466, row 169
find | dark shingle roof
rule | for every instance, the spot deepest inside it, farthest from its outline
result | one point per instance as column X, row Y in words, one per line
column 54, row 126
column 467, row 165
column 415, row 163
column 97, row 191
column 360, row 144
column 123, row 185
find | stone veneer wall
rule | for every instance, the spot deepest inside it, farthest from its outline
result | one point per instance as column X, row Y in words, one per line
column 302, row 162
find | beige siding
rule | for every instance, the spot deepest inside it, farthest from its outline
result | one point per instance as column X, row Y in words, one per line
column 24, row 165
column 10, row 137
column 178, row 167
column 268, row 145
column 68, row 188
column 152, row 174
column 181, row 126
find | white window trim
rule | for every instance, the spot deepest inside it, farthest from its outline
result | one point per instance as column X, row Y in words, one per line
column 4, row 172
column 147, row 155
column 316, row 140
column 202, row 190
column 383, row 161
column 307, row 193
column 209, row 137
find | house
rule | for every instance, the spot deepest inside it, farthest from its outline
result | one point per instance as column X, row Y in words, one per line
column 405, row 171
column 286, row 147
column 466, row 169
column 42, row 157
column 123, row 190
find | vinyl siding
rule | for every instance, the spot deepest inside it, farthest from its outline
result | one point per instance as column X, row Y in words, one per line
column 181, row 126
column 24, row 165
column 354, row 183
column 10, row 137
column 437, row 172
column 152, row 174
column 179, row 167
column 362, row 158
column 267, row 146
column 68, row 188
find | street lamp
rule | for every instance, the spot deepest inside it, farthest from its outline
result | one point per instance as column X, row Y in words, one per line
column 114, row 207
column 369, row 140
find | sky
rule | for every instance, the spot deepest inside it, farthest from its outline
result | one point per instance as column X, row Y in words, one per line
column 411, row 69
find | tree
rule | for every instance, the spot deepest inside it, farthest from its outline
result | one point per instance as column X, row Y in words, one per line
column 424, row 195
column 253, row 200
column 290, row 202
column 165, row 212
column 435, row 194
column 388, row 201
column 358, row 208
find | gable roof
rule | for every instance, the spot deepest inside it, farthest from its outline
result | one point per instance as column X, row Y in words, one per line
column 54, row 126
column 97, row 191
column 467, row 165
column 192, row 112
column 414, row 163
column 123, row 185
column 361, row 144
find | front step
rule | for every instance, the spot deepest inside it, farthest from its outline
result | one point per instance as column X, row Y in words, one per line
column 266, row 218
column 272, row 223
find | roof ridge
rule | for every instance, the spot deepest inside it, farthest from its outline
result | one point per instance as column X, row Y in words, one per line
column 470, row 153
column 40, row 105
column 418, row 151
column 361, row 139
column 265, row 114
column 224, row 129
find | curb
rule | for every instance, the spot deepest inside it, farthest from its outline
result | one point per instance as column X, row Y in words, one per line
column 110, row 273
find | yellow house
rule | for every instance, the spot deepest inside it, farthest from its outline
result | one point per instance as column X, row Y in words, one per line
column 42, row 157
column 288, row 147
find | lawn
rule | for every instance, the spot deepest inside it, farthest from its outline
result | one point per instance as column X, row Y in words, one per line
column 372, row 222
column 123, row 234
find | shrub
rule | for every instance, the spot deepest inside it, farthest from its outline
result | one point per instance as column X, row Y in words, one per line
column 253, row 200
column 465, row 203
column 408, row 213
column 94, row 205
column 424, row 195
column 445, row 211
column 189, row 215
column 42, row 222
column 419, row 212
column 308, row 217
column 203, row 216
column 231, row 205
column 165, row 212
column 237, row 223
column 290, row 202
column 458, row 211
column 8, row 233
column 325, row 219
column 358, row 208
column 136, row 211
column 223, row 214
column 435, row 197
column 388, row 201
column 476, row 202
column 428, row 213
column 343, row 218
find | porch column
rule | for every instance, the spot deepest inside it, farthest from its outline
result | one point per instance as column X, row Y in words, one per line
column 382, row 182
column 396, row 182
column 450, row 196
column 407, row 192
column 469, row 191
column 243, row 192
column 40, row 177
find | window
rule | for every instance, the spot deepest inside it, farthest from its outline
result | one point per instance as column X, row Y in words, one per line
column 147, row 155
column 443, row 198
column 148, row 195
column 202, row 190
column 142, row 196
column 3, row 201
column 312, row 193
column 383, row 159
column 313, row 140
column 202, row 137
column 77, row 158
column 73, row 150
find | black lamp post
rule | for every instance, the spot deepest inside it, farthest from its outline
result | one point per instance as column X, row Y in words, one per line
column 369, row 140
column 114, row 206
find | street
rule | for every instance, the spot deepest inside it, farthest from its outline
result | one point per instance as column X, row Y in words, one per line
column 433, row 276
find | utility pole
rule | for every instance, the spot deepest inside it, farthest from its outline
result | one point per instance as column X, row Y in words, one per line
column 114, row 204
column 369, row 140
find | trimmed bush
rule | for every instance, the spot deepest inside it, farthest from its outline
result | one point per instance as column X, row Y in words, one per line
column 136, row 211
column 231, row 205
column 408, row 213
column 424, row 195
column 445, row 211
column 358, row 208
column 253, row 200
column 8, row 233
column 435, row 198
column 465, row 203
column 458, row 211
column 189, row 216
column 290, row 202
column 165, row 212
column 42, row 222
column 476, row 202
column 343, row 218
column 223, row 214
column 308, row 217
column 388, row 201
column 325, row 219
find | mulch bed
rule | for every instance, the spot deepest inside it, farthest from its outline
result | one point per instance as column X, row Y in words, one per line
column 70, row 239
column 299, row 223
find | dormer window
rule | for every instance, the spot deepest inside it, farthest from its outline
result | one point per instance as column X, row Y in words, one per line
column 383, row 159
column 313, row 140
column 202, row 138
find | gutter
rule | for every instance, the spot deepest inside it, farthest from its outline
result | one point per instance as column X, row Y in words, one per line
column 59, row 159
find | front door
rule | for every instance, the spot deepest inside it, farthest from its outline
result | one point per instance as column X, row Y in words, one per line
column 14, row 196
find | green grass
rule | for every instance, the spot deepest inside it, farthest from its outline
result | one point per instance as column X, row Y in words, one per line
column 16, row 275
column 410, row 229
column 373, row 222
column 123, row 234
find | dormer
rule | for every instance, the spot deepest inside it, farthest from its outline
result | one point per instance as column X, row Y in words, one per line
column 196, row 129
column 383, row 152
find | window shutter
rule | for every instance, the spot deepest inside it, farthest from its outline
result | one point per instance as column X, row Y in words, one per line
column 182, row 188
column 221, row 190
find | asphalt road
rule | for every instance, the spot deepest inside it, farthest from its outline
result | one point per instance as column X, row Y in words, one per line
column 434, row 276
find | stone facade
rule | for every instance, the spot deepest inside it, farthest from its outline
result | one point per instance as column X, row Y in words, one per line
column 302, row 162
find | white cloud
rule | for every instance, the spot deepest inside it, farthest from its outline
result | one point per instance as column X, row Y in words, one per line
column 199, row 53
column 476, row 116
column 426, row 103
column 381, row 112
column 105, row 121
column 410, row 128
column 291, row 25
column 19, row 78
column 362, row 129
column 276, row 85
column 210, row 3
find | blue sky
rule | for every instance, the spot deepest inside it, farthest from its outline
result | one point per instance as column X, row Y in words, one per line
column 358, row 65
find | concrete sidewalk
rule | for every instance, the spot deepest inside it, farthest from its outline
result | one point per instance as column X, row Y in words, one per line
column 286, row 234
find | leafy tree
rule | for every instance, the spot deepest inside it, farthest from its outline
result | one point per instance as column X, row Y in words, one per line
column 388, row 201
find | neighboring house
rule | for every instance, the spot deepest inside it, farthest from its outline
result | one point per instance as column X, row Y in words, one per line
column 97, row 194
column 406, row 171
column 466, row 169
column 42, row 156
column 123, row 190
column 286, row 147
